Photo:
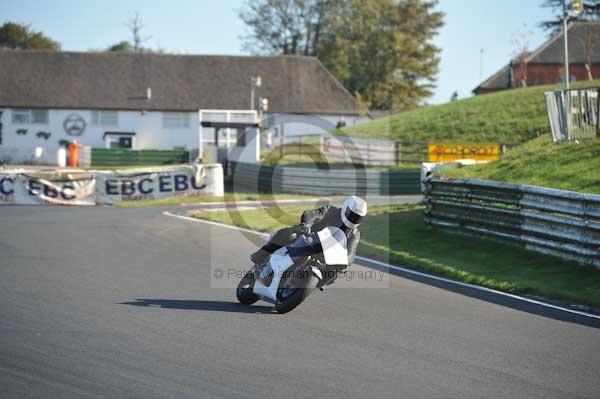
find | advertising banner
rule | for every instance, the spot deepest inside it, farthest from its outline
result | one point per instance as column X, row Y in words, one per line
column 25, row 189
column 66, row 187
column 136, row 185
column 454, row 152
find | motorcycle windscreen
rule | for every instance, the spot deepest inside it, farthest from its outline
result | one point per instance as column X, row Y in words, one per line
column 303, row 247
column 334, row 243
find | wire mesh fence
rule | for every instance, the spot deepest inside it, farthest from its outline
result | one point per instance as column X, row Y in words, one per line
column 573, row 114
column 377, row 152
column 349, row 150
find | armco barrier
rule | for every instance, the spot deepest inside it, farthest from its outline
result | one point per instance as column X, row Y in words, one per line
column 77, row 187
column 106, row 157
column 305, row 180
column 554, row 222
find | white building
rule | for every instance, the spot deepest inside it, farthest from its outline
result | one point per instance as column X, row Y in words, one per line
column 152, row 101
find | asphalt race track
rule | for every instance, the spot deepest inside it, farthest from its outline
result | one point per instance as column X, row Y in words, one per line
column 117, row 303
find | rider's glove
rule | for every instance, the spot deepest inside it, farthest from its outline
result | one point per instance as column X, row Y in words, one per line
column 302, row 228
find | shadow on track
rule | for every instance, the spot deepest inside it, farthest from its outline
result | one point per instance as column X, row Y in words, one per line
column 214, row 306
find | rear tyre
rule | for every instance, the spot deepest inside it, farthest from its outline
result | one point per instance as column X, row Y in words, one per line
column 289, row 298
column 244, row 292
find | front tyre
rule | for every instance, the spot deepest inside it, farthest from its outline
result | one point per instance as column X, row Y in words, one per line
column 290, row 297
column 244, row 291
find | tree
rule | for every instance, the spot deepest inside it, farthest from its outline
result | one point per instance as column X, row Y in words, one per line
column 135, row 26
column 123, row 47
column 520, row 43
column 591, row 12
column 589, row 44
column 380, row 50
column 285, row 26
column 19, row 36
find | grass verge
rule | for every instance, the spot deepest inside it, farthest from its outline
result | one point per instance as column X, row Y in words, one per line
column 397, row 234
column 540, row 162
column 510, row 116
column 230, row 196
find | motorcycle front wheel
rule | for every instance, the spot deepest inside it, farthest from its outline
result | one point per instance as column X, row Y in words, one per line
column 244, row 291
column 289, row 297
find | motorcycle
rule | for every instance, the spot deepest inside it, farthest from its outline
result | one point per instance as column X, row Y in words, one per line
column 293, row 272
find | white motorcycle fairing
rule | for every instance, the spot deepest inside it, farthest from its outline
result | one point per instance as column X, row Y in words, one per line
column 280, row 261
column 334, row 242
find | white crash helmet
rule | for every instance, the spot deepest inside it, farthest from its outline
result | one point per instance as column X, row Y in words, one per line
column 354, row 209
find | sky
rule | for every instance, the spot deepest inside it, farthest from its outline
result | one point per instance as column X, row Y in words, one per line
column 214, row 27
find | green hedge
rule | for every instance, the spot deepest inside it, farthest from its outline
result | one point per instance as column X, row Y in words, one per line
column 117, row 157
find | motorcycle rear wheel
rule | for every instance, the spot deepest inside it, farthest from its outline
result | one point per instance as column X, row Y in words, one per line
column 244, row 292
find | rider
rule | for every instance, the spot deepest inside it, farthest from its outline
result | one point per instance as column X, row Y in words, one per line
column 347, row 218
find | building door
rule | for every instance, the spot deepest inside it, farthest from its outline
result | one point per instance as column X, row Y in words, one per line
column 124, row 142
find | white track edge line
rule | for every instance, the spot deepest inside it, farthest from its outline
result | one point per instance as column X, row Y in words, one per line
column 402, row 269
column 286, row 201
column 191, row 219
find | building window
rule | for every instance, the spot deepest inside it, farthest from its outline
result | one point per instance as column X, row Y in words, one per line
column 125, row 140
column 121, row 142
column 27, row 116
column 105, row 118
column 175, row 120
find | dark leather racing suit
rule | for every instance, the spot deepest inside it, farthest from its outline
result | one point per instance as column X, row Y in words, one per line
column 317, row 220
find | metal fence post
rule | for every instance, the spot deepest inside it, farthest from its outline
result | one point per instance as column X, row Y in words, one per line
column 568, row 114
column 598, row 112
column 281, row 149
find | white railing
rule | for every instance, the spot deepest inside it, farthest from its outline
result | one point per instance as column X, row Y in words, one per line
column 573, row 114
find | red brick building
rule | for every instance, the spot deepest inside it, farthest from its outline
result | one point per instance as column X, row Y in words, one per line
column 545, row 65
